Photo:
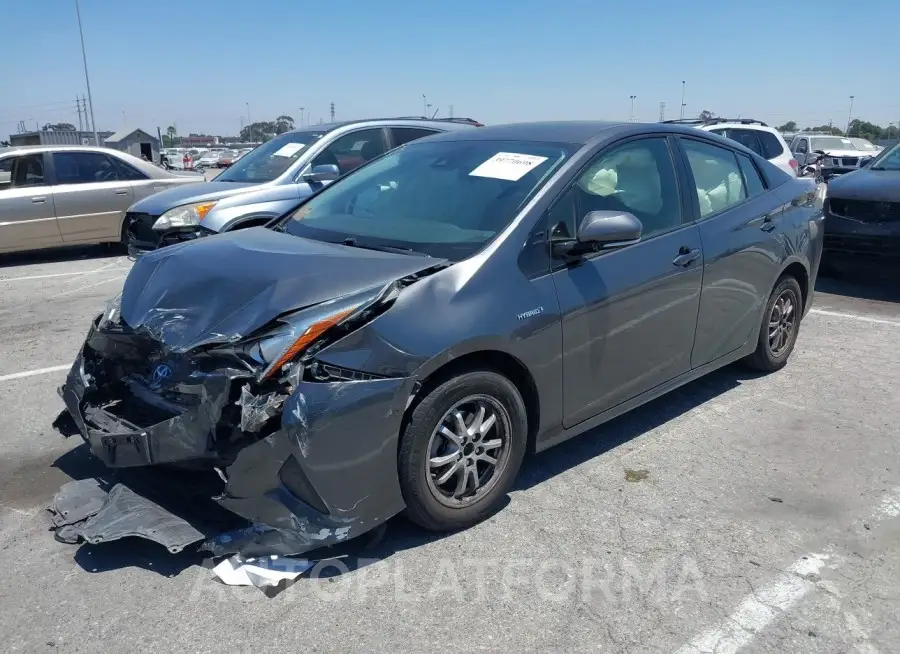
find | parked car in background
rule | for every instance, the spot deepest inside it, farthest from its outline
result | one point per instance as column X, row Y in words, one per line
column 171, row 159
column 402, row 339
column 754, row 134
column 842, row 154
column 61, row 195
column 862, row 214
column 274, row 177
column 226, row 158
column 209, row 159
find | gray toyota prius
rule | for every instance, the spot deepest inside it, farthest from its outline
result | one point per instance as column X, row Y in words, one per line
column 400, row 340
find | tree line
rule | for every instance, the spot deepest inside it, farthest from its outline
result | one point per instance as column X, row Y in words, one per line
column 861, row 128
column 260, row 131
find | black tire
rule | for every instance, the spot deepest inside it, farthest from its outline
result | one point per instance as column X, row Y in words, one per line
column 767, row 357
column 419, row 491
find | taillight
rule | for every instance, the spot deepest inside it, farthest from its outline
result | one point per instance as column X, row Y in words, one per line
column 793, row 163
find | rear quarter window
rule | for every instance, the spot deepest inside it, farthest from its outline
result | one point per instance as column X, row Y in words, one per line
column 771, row 145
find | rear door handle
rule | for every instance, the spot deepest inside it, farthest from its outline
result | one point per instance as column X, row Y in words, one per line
column 39, row 199
column 686, row 257
column 122, row 191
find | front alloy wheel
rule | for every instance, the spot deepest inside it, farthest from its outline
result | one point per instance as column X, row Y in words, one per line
column 468, row 450
column 461, row 449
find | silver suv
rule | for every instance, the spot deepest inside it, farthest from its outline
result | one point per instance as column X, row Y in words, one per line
column 765, row 141
column 271, row 179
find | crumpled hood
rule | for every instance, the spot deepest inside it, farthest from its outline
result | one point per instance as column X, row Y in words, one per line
column 222, row 288
column 867, row 184
column 158, row 203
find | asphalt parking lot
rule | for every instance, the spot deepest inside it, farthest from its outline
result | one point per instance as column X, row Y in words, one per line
column 739, row 512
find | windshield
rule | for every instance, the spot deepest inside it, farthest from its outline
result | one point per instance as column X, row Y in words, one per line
column 827, row 143
column 864, row 145
column 888, row 160
column 446, row 199
column 271, row 159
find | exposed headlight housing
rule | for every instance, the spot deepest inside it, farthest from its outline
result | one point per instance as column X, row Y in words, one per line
column 112, row 314
column 821, row 195
column 183, row 216
column 296, row 333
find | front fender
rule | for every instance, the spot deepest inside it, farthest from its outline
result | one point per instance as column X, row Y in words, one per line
column 232, row 217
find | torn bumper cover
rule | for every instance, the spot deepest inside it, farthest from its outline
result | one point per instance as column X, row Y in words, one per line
column 308, row 467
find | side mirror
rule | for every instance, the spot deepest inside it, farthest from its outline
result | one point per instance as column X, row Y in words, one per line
column 324, row 173
column 813, row 158
column 602, row 230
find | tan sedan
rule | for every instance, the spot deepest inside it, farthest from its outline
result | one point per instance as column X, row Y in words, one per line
column 66, row 195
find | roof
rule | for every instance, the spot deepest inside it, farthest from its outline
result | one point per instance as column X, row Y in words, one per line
column 121, row 135
column 572, row 132
column 444, row 125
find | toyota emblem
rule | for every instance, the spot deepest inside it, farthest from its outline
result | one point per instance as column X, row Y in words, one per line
column 160, row 374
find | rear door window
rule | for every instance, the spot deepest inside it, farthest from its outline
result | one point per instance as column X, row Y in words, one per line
column 401, row 135
column 28, row 170
column 718, row 180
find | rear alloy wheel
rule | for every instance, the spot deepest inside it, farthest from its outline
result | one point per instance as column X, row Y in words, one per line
column 780, row 326
column 461, row 450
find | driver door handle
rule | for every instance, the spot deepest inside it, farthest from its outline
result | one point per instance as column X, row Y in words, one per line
column 686, row 257
column 122, row 191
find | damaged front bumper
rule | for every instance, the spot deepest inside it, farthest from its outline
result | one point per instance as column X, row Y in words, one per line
column 311, row 467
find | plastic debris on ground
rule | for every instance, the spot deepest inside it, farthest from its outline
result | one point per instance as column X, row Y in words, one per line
column 261, row 572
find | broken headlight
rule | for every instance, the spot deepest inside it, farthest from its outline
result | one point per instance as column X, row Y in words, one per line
column 112, row 314
column 295, row 333
column 183, row 216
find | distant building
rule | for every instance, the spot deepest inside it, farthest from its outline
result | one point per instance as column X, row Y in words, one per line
column 48, row 137
column 135, row 142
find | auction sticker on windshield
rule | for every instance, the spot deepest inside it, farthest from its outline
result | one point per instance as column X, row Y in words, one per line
column 289, row 150
column 508, row 165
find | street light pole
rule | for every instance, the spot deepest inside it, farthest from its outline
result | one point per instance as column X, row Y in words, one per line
column 850, row 115
column 87, row 81
column 249, row 123
column 632, row 107
column 424, row 106
column 301, row 117
column 682, row 99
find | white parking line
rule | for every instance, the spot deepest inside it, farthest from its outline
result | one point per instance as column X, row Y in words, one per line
column 65, row 274
column 759, row 609
column 87, row 286
column 855, row 316
column 32, row 373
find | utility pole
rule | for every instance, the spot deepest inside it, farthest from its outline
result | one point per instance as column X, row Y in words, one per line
column 424, row 106
column 662, row 111
column 78, row 109
column 301, row 116
column 850, row 115
column 682, row 99
column 632, row 107
column 332, row 112
column 87, row 80
column 249, row 123
column 451, row 111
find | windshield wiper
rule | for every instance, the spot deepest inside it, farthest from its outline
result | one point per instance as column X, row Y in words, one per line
column 352, row 242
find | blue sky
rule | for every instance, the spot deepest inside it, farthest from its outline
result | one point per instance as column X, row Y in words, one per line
column 196, row 63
